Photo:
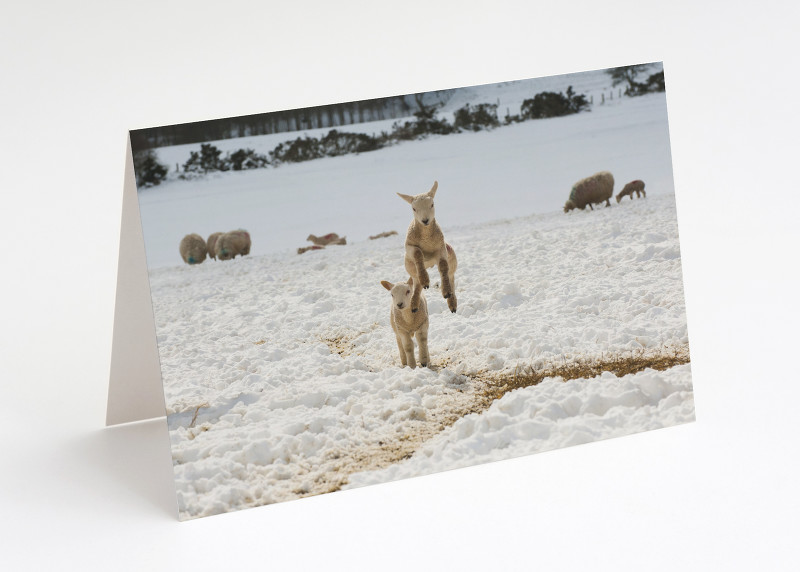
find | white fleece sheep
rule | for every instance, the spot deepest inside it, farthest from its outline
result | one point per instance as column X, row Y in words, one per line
column 426, row 247
column 595, row 189
column 231, row 244
column 193, row 249
column 408, row 324
column 636, row 186
column 211, row 243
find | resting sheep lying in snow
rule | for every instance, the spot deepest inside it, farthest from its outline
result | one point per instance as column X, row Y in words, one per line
column 303, row 249
column 408, row 324
column 383, row 234
column 636, row 186
column 193, row 249
column 231, row 244
column 426, row 247
column 211, row 244
column 591, row 190
column 325, row 240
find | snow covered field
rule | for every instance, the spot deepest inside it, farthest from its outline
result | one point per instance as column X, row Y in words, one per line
column 281, row 371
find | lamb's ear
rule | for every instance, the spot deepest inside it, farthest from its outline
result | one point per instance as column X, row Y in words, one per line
column 407, row 198
column 387, row 285
column 410, row 280
column 432, row 192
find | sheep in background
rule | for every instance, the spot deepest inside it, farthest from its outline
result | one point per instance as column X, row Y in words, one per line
column 591, row 190
column 383, row 234
column 325, row 240
column 193, row 249
column 636, row 186
column 231, row 244
column 408, row 324
column 426, row 247
column 211, row 243
column 303, row 249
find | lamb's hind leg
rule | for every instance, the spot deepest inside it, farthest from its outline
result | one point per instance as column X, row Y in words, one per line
column 449, row 278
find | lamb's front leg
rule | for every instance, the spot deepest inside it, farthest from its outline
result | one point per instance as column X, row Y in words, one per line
column 408, row 346
column 422, row 342
column 403, row 360
column 413, row 269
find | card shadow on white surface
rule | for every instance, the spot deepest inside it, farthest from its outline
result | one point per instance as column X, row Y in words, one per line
column 136, row 457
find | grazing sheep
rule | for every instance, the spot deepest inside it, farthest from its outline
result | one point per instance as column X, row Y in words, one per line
column 303, row 249
column 231, row 244
column 426, row 247
column 636, row 186
column 325, row 240
column 211, row 243
column 193, row 249
column 591, row 190
column 383, row 234
column 408, row 324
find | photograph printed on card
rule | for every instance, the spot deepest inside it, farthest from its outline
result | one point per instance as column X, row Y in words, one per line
column 367, row 291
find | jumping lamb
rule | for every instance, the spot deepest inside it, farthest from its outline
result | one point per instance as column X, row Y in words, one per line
column 591, row 190
column 408, row 324
column 211, row 243
column 636, row 186
column 325, row 240
column 193, row 249
column 231, row 244
column 426, row 247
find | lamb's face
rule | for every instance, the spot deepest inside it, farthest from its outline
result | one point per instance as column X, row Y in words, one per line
column 568, row 206
column 424, row 213
column 422, row 205
column 401, row 293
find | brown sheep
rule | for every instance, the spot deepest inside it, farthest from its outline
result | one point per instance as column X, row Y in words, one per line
column 383, row 234
column 212, row 244
column 303, row 249
column 636, row 186
column 591, row 190
column 193, row 249
column 325, row 240
column 231, row 244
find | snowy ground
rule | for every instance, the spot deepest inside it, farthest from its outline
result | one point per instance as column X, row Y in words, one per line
column 281, row 371
column 282, row 376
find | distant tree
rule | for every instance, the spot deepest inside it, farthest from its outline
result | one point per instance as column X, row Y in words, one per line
column 551, row 104
column 627, row 74
column 477, row 117
column 147, row 168
column 208, row 159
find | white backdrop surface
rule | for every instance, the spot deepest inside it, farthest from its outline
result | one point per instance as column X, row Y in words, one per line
column 719, row 493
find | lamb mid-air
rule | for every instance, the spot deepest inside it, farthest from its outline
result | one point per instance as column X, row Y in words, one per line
column 426, row 247
column 408, row 324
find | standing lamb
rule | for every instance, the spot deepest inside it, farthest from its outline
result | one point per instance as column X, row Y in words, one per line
column 426, row 247
column 636, row 186
column 407, row 323
column 193, row 249
column 591, row 190
column 325, row 240
column 212, row 244
column 231, row 244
